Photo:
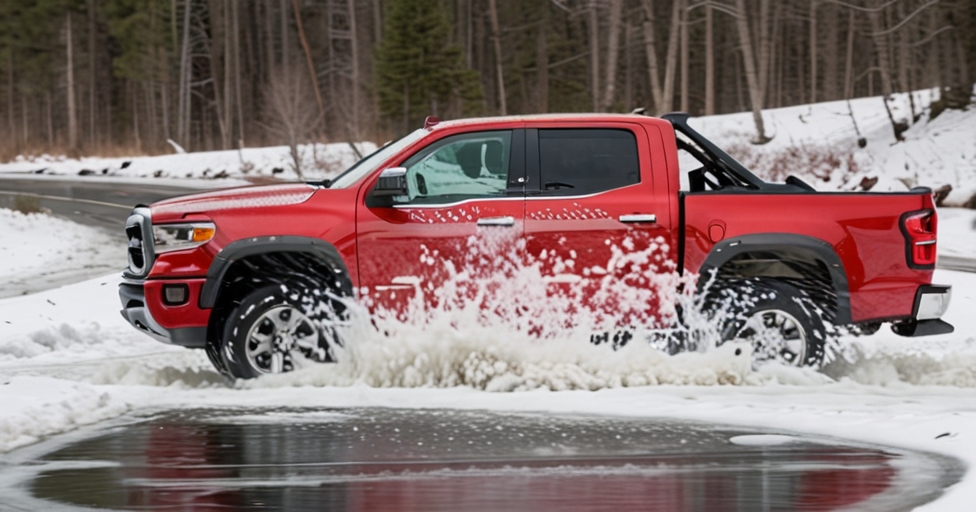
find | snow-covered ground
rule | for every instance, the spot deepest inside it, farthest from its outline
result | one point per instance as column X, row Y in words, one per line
column 68, row 359
column 819, row 143
column 38, row 251
column 318, row 161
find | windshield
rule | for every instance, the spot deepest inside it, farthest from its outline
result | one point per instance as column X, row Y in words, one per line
column 371, row 161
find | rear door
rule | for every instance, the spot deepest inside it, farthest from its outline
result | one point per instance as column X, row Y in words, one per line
column 596, row 221
column 464, row 211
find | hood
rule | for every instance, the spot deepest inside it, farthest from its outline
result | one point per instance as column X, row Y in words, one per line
column 234, row 198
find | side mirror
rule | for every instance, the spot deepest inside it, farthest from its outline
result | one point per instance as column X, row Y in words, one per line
column 392, row 182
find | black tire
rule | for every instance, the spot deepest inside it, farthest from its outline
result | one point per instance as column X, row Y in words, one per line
column 779, row 319
column 278, row 328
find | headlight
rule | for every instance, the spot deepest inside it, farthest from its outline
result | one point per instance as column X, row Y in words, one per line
column 175, row 237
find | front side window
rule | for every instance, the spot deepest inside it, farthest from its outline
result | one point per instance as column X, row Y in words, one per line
column 587, row 161
column 460, row 167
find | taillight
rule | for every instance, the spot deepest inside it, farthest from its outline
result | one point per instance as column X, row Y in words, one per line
column 919, row 229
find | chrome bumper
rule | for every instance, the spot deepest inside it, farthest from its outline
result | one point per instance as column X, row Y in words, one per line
column 931, row 302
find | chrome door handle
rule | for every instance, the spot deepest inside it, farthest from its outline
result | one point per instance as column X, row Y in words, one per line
column 497, row 221
column 638, row 218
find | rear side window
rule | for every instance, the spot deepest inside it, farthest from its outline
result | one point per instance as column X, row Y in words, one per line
column 586, row 161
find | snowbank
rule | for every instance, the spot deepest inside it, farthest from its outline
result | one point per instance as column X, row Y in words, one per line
column 318, row 161
column 819, row 143
column 38, row 251
column 34, row 407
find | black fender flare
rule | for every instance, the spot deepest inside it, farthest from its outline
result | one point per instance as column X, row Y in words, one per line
column 816, row 248
column 241, row 249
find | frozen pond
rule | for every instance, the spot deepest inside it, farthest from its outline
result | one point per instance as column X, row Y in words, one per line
column 423, row 460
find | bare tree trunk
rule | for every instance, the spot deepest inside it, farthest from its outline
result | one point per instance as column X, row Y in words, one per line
column 765, row 47
column 308, row 60
column 709, row 63
column 752, row 77
column 72, row 107
column 24, row 119
column 496, row 36
column 135, row 116
column 183, row 116
column 594, row 31
column 685, row 55
column 285, row 57
column 849, row 60
column 831, row 82
column 813, row 51
column 237, row 74
column 11, row 123
column 542, row 60
column 377, row 22
column 48, row 114
column 269, row 39
column 672, row 62
column 613, row 53
column 650, row 52
column 884, row 67
column 92, row 87
column 628, row 66
column 663, row 96
column 354, row 50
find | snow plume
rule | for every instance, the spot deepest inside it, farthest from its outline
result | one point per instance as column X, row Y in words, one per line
column 501, row 322
column 892, row 365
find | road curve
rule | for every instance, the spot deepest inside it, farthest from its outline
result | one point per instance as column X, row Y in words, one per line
column 99, row 204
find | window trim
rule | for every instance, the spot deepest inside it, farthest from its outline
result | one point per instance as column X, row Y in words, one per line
column 533, row 160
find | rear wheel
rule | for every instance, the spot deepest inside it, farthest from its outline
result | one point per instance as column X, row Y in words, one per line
column 780, row 322
column 277, row 329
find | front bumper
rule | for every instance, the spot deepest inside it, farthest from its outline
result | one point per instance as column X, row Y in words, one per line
column 931, row 302
column 135, row 311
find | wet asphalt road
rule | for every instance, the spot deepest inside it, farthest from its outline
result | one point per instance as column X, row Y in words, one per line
column 432, row 460
column 100, row 204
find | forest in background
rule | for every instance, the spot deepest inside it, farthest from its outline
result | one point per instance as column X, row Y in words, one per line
column 127, row 76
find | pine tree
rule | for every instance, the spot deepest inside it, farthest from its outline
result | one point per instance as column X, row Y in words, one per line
column 419, row 73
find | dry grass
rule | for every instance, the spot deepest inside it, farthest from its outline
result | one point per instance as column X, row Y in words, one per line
column 22, row 203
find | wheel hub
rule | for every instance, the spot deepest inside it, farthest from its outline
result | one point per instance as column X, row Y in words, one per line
column 775, row 335
column 282, row 339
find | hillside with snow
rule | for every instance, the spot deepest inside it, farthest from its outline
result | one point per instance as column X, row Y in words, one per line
column 818, row 143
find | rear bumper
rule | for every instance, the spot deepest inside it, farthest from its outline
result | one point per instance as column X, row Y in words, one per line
column 931, row 302
column 135, row 311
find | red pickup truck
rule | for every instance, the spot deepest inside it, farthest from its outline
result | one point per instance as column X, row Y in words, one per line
column 244, row 272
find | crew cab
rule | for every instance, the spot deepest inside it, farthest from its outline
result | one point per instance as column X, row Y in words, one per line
column 261, row 276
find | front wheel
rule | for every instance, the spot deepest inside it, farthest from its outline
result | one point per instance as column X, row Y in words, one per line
column 780, row 322
column 277, row 329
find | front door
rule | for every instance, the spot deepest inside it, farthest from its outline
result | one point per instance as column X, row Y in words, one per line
column 597, row 222
column 463, row 216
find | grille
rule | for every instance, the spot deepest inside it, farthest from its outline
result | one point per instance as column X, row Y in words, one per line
column 138, row 229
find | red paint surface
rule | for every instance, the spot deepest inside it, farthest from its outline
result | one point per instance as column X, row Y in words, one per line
column 381, row 244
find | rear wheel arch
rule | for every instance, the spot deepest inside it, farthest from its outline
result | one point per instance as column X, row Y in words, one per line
column 805, row 262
